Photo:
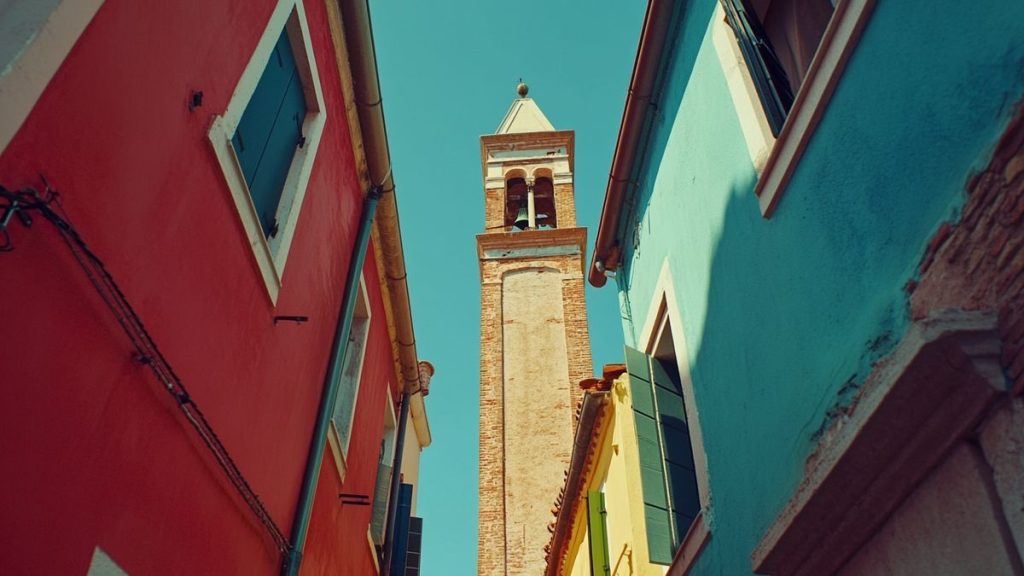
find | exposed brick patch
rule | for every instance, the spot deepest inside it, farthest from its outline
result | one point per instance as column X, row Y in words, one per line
column 978, row 262
column 494, row 209
column 565, row 206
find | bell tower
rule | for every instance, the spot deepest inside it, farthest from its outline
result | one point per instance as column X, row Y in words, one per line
column 534, row 343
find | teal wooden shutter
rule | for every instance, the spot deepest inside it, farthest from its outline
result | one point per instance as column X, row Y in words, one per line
column 269, row 132
column 657, row 513
column 667, row 472
column 597, row 531
column 401, row 537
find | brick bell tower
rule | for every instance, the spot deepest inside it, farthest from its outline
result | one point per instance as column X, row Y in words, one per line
column 534, row 343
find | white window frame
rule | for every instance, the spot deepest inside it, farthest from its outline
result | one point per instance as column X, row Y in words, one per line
column 272, row 254
column 360, row 338
column 784, row 153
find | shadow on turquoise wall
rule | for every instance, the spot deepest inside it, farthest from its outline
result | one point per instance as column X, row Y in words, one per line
column 784, row 318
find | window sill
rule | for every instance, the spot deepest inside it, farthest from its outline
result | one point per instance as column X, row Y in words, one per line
column 921, row 400
column 837, row 45
column 693, row 543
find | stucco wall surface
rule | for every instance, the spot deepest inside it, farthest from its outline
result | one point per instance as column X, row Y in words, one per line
column 783, row 317
column 93, row 449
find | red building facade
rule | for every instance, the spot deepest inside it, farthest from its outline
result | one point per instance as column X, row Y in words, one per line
column 117, row 109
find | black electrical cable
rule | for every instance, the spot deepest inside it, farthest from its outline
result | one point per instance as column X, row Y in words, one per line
column 146, row 349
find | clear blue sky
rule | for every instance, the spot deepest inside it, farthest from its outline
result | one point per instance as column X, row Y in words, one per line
column 448, row 73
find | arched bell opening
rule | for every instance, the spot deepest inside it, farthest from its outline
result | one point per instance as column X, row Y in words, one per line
column 516, row 203
column 544, row 203
column 529, row 202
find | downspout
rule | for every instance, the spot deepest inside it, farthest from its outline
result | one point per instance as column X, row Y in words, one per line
column 332, row 381
column 396, row 484
column 426, row 371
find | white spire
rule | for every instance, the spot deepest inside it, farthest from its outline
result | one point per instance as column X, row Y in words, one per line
column 524, row 116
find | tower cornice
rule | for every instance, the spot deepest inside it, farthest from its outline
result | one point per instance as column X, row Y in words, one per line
column 532, row 245
column 526, row 141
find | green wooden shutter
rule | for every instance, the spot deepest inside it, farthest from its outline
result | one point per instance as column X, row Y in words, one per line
column 657, row 512
column 667, row 472
column 597, row 530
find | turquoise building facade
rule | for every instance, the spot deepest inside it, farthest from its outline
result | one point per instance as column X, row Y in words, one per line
column 784, row 310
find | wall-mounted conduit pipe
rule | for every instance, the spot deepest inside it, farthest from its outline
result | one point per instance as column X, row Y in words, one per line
column 332, row 381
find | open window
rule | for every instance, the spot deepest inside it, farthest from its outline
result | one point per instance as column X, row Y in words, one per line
column 667, row 471
column 783, row 60
column 778, row 39
column 673, row 465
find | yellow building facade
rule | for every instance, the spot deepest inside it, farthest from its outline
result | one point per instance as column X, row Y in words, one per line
column 599, row 527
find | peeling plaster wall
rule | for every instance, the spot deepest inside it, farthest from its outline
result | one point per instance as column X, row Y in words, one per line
column 783, row 315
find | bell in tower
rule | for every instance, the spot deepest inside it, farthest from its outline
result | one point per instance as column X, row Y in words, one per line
column 534, row 342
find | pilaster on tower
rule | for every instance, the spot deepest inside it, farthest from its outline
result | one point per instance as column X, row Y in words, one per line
column 535, row 345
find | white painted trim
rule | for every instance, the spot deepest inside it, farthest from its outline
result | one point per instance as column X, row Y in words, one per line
column 23, row 80
column 753, row 122
column 373, row 550
column 334, row 441
column 392, row 418
column 664, row 307
column 836, row 46
column 272, row 255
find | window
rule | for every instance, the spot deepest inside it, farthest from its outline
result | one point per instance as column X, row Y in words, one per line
column 267, row 138
column 792, row 53
column 667, row 472
column 269, row 133
column 778, row 39
column 597, row 534
column 382, row 488
column 351, row 372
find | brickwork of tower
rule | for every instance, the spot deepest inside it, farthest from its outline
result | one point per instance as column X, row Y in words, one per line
column 534, row 342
